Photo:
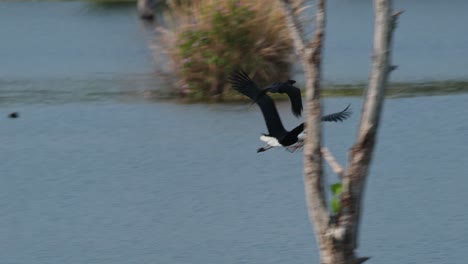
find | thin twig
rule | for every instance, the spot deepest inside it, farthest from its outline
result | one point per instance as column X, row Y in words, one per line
column 399, row 12
column 294, row 25
column 336, row 167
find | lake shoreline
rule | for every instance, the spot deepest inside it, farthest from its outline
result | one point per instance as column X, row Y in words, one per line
column 395, row 90
column 150, row 88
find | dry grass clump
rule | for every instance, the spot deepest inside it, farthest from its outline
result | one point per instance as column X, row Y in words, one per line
column 210, row 38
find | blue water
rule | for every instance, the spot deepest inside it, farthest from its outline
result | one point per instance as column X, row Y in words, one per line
column 430, row 43
column 95, row 171
column 168, row 183
column 50, row 39
column 67, row 39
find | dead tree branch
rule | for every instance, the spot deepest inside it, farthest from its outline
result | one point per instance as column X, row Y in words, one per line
column 295, row 27
column 337, row 234
column 361, row 152
column 311, row 58
column 336, row 167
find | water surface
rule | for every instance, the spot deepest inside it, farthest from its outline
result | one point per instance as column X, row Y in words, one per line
column 164, row 183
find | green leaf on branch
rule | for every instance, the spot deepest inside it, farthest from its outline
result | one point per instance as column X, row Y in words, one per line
column 335, row 205
column 336, row 189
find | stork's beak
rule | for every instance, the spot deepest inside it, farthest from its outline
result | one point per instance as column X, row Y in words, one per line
column 261, row 149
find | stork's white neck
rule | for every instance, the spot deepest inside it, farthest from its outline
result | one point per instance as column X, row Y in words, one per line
column 270, row 141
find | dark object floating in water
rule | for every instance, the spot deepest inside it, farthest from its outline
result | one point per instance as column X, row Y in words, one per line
column 13, row 115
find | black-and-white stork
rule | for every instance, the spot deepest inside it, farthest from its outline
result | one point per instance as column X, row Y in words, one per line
column 277, row 135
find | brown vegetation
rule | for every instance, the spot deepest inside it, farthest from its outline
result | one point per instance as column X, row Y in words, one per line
column 210, row 38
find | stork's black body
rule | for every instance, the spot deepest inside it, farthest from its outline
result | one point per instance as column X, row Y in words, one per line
column 277, row 134
column 293, row 93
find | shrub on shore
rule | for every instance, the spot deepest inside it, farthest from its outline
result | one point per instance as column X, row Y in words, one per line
column 210, row 38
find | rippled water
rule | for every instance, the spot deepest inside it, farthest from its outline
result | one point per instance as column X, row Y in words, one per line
column 92, row 172
column 167, row 183
column 429, row 42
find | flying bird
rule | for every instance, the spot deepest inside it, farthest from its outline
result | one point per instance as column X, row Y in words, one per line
column 286, row 87
column 277, row 135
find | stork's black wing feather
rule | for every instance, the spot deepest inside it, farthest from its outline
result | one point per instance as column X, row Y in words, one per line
column 340, row 116
column 242, row 83
column 293, row 93
column 278, row 87
column 295, row 97
column 274, row 88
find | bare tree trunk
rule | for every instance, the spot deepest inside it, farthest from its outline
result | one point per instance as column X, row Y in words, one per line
column 337, row 235
column 313, row 170
column 361, row 152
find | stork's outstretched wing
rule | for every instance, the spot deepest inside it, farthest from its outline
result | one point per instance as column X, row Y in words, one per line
column 242, row 83
column 295, row 97
column 293, row 93
column 339, row 116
